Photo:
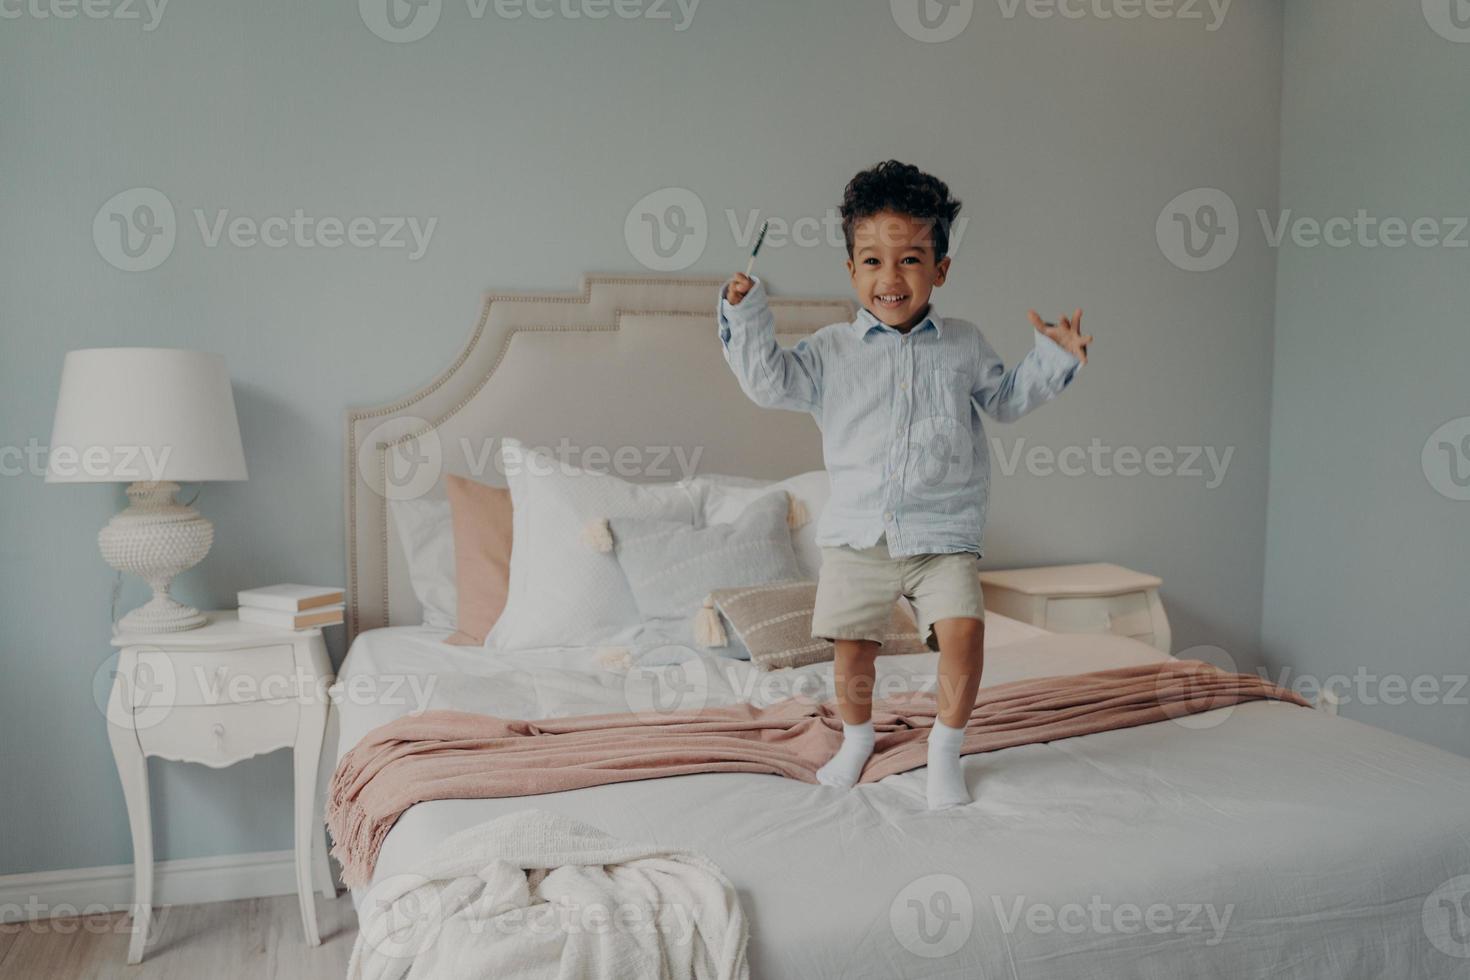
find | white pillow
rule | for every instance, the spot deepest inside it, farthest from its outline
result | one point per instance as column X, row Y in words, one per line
column 726, row 497
column 426, row 532
column 562, row 592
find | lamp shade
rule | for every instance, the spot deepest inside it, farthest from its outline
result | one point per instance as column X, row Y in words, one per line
column 129, row 414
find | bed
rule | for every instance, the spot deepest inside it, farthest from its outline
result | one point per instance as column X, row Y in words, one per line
column 1262, row 840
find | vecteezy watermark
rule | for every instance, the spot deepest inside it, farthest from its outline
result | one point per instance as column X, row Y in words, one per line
column 136, row 690
column 679, row 683
column 659, row 462
column 404, row 458
column 1211, row 13
column 932, row 21
column 129, row 463
column 27, row 460
column 403, row 21
column 933, row 916
column 400, row 21
column 1200, row 230
column 941, row 456
column 411, row 691
column 1450, row 19
column 217, row 685
column 301, row 230
column 936, row 21
column 1367, row 687
column 680, row 13
column 675, row 922
column 1098, row 917
column 136, row 230
column 767, row 687
column 1446, row 917
column 401, row 458
column 150, row 12
column 1207, row 463
column 403, row 915
column 124, row 463
column 139, row 689
column 1191, row 699
column 655, row 693
column 1364, row 230
column 941, row 459
column 813, row 231
column 667, row 230
column 65, row 918
column 1446, row 459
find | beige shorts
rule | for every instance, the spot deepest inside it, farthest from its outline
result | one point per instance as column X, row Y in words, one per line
column 857, row 588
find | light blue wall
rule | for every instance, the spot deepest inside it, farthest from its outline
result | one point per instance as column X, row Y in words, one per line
column 530, row 141
column 1367, row 564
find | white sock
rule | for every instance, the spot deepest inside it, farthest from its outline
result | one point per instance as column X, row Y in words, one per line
column 946, row 779
column 844, row 768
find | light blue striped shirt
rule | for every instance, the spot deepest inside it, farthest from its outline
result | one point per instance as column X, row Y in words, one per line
column 899, row 414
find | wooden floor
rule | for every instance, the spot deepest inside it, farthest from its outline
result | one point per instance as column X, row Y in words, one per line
column 253, row 939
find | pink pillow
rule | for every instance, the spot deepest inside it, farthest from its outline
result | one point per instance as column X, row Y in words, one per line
column 482, row 530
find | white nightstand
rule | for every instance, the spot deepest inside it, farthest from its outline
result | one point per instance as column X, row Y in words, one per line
column 216, row 695
column 1097, row 598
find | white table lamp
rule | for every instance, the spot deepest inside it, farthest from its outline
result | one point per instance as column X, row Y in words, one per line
column 152, row 418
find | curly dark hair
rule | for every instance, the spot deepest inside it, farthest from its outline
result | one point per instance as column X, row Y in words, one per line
column 901, row 187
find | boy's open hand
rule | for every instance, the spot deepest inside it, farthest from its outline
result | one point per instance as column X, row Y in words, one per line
column 737, row 287
column 1067, row 335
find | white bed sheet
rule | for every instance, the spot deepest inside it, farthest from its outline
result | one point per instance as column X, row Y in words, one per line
column 1266, row 840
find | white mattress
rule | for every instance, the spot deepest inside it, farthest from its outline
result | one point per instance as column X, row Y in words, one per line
column 1265, row 840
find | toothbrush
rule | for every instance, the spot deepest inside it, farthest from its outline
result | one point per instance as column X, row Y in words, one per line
column 757, row 250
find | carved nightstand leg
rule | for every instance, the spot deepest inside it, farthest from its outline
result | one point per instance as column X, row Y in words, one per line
column 132, row 769
column 311, row 728
column 321, row 844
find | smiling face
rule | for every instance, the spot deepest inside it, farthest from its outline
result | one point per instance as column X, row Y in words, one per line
column 893, row 267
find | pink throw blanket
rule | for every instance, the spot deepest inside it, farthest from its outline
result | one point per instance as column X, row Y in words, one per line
column 453, row 755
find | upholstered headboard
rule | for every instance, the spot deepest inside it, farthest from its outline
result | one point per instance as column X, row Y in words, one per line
column 627, row 373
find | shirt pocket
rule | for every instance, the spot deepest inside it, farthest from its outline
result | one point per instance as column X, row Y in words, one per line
column 948, row 394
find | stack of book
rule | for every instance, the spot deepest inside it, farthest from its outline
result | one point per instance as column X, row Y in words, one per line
column 292, row 607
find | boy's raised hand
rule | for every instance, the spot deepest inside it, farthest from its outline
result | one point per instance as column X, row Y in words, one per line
column 737, row 287
column 1067, row 335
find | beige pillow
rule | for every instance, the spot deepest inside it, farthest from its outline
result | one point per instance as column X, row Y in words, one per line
column 774, row 622
column 482, row 536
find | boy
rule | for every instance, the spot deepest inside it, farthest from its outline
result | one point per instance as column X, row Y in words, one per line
column 897, row 394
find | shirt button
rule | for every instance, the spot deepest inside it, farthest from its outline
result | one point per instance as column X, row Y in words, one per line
column 904, row 385
column 888, row 516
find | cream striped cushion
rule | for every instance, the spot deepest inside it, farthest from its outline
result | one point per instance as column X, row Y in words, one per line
column 774, row 622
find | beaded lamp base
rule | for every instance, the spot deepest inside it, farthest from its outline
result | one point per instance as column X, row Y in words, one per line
column 157, row 538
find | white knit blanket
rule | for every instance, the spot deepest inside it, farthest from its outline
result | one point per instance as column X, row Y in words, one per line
column 538, row 895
